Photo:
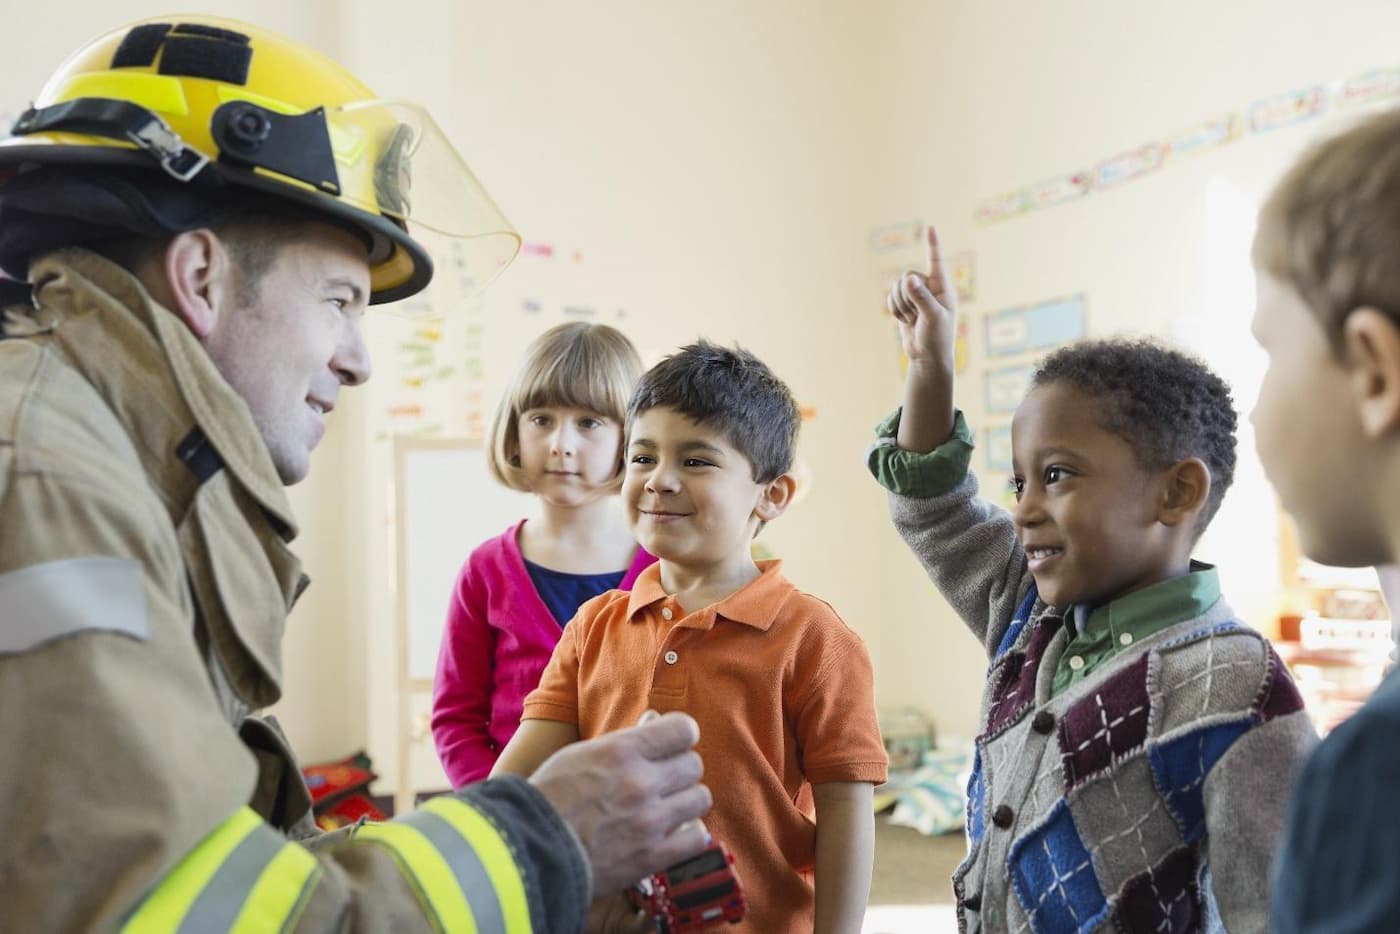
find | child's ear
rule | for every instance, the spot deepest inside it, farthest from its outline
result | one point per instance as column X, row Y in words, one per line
column 1371, row 343
column 776, row 497
column 1185, row 492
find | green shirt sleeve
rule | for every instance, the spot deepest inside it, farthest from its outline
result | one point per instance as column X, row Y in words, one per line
column 910, row 473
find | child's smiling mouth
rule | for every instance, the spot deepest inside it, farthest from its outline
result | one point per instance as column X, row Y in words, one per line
column 1037, row 556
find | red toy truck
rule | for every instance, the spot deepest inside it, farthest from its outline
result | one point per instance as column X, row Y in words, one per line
column 694, row 894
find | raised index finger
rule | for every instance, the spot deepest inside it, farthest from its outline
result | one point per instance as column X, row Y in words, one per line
column 937, row 275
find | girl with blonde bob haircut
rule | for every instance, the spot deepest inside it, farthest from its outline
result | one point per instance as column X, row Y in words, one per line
column 557, row 433
column 578, row 365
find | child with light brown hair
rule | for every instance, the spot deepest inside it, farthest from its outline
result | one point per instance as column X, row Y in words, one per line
column 1327, row 426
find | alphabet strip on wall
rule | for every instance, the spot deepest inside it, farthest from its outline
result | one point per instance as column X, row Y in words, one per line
column 1262, row 116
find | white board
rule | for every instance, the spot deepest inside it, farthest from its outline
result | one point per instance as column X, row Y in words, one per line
column 448, row 503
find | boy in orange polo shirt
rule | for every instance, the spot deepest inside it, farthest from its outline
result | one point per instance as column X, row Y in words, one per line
column 781, row 687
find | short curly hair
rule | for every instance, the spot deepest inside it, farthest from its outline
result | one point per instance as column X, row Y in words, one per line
column 1167, row 404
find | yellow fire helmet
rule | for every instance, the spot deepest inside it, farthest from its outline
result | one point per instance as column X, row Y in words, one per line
column 214, row 102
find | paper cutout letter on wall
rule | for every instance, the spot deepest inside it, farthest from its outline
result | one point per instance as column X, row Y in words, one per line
column 964, row 275
column 1376, row 85
column 1203, row 136
column 896, row 236
column 1128, row 165
column 1060, row 189
column 1282, row 110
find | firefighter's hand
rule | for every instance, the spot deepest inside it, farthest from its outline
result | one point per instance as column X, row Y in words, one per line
column 633, row 797
column 614, row 914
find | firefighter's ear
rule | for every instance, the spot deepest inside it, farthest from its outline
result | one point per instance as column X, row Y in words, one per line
column 197, row 279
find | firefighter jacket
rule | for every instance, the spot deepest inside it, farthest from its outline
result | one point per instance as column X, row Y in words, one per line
column 145, row 579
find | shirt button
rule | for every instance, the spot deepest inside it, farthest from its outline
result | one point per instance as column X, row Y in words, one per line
column 666, row 612
column 671, row 658
column 1043, row 722
column 1002, row 816
column 1076, row 662
column 1125, row 639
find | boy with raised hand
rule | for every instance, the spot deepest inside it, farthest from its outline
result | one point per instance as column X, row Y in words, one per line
column 781, row 687
column 1137, row 742
column 1327, row 426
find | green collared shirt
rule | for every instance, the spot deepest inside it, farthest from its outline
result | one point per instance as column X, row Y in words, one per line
column 1099, row 634
column 910, row 473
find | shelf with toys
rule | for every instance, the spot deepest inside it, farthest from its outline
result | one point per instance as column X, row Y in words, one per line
column 1334, row 633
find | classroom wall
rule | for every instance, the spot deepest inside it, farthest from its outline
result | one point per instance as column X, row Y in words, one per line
column 698, row 172
column 983, row 98
column 718, row 169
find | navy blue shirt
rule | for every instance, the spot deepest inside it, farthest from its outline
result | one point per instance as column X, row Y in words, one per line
column 565, row 593
column 1339, row 868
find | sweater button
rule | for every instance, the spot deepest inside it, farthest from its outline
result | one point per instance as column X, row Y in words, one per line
column 1002, row 816
column 973, row 902
column 1043, row 722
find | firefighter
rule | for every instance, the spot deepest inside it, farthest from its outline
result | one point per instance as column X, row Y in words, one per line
column 195, row 214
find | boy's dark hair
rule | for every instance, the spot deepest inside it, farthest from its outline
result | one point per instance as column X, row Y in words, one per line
column 1165, row 403
column 732, row 390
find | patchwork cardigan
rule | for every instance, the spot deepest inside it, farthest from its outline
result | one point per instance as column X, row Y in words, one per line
column 1147, row 797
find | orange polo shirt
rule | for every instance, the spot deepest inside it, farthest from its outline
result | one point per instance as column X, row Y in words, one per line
column 784, row 695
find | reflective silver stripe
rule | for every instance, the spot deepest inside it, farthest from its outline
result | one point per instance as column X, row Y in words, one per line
column 48, row 601
column 224, row 895
column 466, row 865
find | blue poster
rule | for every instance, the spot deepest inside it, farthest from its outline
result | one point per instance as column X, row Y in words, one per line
column 1049, row 324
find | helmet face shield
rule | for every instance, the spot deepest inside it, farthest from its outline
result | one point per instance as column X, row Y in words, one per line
column 394, row 160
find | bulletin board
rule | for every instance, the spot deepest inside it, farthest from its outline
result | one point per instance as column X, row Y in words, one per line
column 447, row 504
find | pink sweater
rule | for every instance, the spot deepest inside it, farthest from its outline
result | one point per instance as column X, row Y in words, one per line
column 498, row 638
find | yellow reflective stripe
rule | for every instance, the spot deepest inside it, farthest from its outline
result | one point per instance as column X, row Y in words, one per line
column 161, row 93
column 442, row 898
column 163, row 911
column 279, row 895
column 494, row 854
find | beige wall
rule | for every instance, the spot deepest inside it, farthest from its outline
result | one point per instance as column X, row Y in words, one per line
column 709, row 163
column 982, row 98
column 721, row 166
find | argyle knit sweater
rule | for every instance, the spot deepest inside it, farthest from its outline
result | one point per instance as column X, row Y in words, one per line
column 1147, row 797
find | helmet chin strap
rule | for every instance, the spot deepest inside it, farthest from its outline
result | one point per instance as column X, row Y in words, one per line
column 115, row 119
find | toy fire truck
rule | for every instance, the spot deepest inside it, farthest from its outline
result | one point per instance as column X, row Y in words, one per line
column 692, row 895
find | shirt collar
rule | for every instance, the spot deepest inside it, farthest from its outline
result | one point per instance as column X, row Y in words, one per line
column 755, row 604
column 1145, row 611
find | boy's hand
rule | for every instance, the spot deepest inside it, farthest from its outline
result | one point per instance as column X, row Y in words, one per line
column 925, row 308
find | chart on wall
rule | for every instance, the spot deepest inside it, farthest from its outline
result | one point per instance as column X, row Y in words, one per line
column 444, row 355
